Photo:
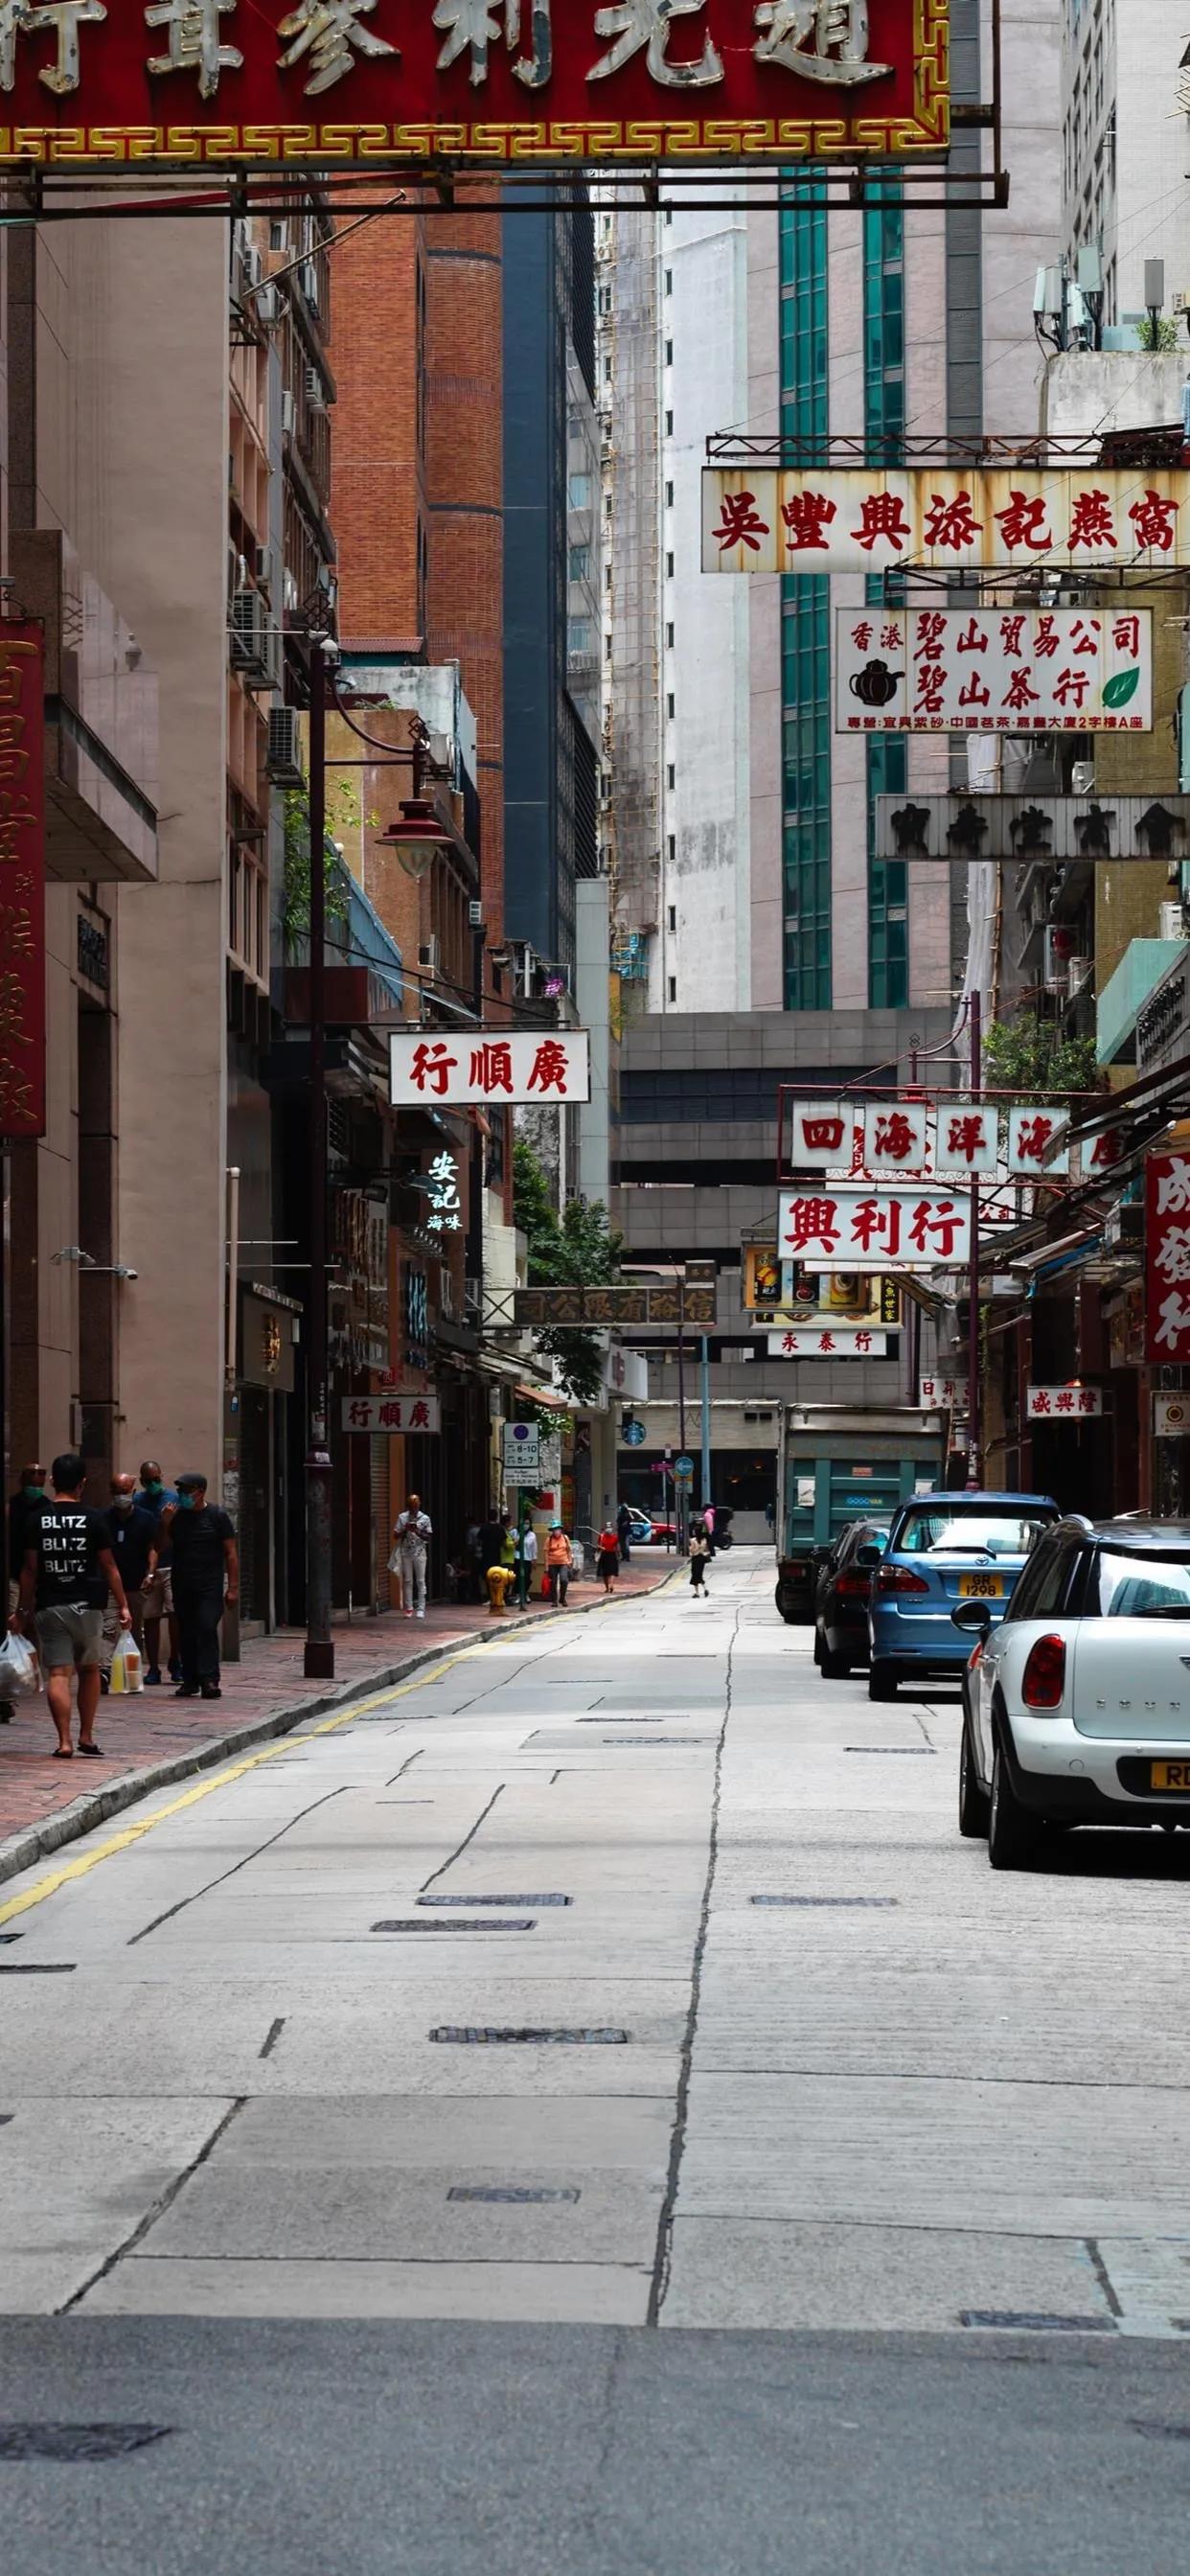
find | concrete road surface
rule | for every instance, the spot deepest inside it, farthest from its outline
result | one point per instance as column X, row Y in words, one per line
column 587, row 2108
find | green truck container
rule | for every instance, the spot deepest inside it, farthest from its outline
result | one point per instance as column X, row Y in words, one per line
column 835, row 1465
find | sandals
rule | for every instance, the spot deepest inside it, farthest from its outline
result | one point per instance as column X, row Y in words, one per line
column 95, row 1751
column 62, row 1753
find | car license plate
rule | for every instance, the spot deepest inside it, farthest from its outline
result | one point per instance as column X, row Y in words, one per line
column 1170, row 1775
column 981, row 1587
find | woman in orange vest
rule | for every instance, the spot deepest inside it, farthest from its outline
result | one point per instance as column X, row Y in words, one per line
column 559, row 1564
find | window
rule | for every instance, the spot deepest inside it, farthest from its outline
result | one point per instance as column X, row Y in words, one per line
column 669, row 703
column 278, row 235
column 669, row 353
column 607, row 371
column 669, row 567
column 669, row 424
column 1154, row 1585
column 607, row 576
column 673, row 916
column 949, row 1529
column 580, row 491
column 673, row 988
column 671, row 847
column 1044, row 1585
column 578, row 637
column 580, row 562
column 669, row 281
column 669, row 496
column 607, row 648
column 671, row 776
column 669, row 636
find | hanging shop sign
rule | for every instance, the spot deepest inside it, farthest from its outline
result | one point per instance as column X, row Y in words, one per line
column 1063, row 1403
column 863, row 1229
column 445, row 1211
column 337, row 81
column 392, row 1413
column 1038, row 1143
column 1167, row 1257
column 495, row 1066
column 802, row 1343
column 879, row 1139
column 1171, row 1417
column 993, row 670
column 1038, row 830
column 760, row 519
column 942, row 1394
column 22, row 877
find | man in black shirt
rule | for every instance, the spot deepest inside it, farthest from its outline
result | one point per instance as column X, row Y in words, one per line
column 66, row 1574
column 23, row 1508
column 134, row 1545
column 204, row 1560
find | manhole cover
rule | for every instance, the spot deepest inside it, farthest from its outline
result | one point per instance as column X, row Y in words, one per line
column 37, row 1967
column 515, row 1923
column 470, row 2038
column 76, row 2441
column 494, row 1900
column 825, row 1900
column 1034, row 2321
column 517, row 2192
column 892, row 1749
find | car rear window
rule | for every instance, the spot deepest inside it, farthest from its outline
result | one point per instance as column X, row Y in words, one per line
column 1154, row 1585
column 943, row 1529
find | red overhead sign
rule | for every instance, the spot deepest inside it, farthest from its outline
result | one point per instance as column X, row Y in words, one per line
column 22, row 879
column 1167, row 1257
column 338, row 82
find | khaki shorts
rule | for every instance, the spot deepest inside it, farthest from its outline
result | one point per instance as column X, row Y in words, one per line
column 157, row 1599
column 68, row 1636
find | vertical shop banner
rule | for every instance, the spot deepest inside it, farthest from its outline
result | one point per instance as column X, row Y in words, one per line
column 1167, row 1257
column 22, row 880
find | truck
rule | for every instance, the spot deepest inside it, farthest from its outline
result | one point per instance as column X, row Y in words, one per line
column 836, row 1463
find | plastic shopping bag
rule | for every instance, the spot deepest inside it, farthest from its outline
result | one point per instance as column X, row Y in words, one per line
column 127, row 1672
column 20, row 1675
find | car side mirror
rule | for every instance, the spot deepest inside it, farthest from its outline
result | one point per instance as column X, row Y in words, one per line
column 869, row 1554
column 973, row 1615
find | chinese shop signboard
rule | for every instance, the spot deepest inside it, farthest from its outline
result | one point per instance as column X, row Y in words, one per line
column 884, row 1138
column 915, row 1229
column 942, row 1394
column 756, row 519
column 391, row 1413
column 801, row 1343
column 494, row 1069
column 1063, row 1403
column 1047, row 830
column 1167, row 1257
column 982, row 670
column 22, row 881
column 337, row 82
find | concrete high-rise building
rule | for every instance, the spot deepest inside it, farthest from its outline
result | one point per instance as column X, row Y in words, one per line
column 1123, row 140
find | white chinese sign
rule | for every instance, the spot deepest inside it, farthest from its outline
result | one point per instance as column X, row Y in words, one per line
column 803, row 1342
column 445, row 1215
column 863, row 1229
column 985, row 670
column 821, row 1133
column 493, row 1067
column 392, row 1413
column 1063, row 1403
column 942, row 1394
column 967, row 1144
column 885, row 1139
column 1037, row 1143
column 760, row 519
column 896, row 1137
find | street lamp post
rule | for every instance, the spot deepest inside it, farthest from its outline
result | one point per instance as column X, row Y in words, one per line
column 319, row 1662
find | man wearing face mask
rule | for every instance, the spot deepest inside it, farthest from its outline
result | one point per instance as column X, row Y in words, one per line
column 135, row 1532
column 205, row 1561
column 23, row 1509
column 158, row 1602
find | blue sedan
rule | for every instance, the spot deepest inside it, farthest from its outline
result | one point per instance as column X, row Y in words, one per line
column 945, row 1548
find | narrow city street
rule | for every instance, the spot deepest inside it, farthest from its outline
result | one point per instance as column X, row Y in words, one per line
column 402, row 2076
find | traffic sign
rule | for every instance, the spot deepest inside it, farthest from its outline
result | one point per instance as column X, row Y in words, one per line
column 522, row 1453
column 684, row 1470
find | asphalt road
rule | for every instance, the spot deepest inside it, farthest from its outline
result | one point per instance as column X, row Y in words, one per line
column 843, row 2230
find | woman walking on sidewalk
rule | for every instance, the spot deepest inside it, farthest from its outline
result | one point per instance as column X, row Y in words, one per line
column 699, row 1552
column 607, row 1564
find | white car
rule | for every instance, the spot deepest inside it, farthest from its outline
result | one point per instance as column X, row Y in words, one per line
column 1077, row 1705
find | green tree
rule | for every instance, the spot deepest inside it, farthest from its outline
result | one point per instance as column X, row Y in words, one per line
column 1028, row 1054
column 342, row 812
column 575, row 1250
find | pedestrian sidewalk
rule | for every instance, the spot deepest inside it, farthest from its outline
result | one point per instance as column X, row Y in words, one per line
column 153, row 1738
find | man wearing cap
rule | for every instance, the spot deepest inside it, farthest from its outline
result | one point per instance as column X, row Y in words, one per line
column 206, row 1573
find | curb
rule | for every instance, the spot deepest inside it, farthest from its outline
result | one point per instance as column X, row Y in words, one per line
column 36, row 1842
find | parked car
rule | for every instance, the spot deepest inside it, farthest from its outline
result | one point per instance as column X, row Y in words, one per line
column 841, row 1597
column 641, row 1531
column 1077, row 1702
column 944, row 1548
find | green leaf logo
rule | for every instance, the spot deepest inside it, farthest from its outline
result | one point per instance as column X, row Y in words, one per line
column 1124, row 686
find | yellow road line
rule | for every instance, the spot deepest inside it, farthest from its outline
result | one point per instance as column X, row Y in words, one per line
column 129, row 1834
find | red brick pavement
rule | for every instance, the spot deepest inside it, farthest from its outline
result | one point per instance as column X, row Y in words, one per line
column 141, row 1733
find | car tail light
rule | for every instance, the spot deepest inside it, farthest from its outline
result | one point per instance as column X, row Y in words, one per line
column 1045, row 1674
column 975, row 1655
column 853, row 1585
column 900, row 1578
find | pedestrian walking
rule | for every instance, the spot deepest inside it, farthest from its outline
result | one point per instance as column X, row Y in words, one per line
column 67, row 1571
column 699, row 1554
column 134, row 1536
column 157, row 1602
column 206, row 1573
column 559, row 1565
column 607, row 1561
column 624, row 1532
column 529, row 1556
column 708, row 1525
column 412, row 1532
column 23, row 1508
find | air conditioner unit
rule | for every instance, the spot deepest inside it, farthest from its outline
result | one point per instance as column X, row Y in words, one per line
column 427, row 956
column 308, row 274
column 254, row 640
column 252, row 264
column 315, row 396
column 262, row 561
column 268, row 305
column 284, row 753
column 1082, row 778
column 288, row 414
column 1078, row 973
column 1173, row 921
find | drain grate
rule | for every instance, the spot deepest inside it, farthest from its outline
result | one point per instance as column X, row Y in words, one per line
column 37, row 1967
column 517, row 2192
column 494, row 1900
column 824, row 1900
column 6, row 2119
column 1035, row 2321
column 76, row 2441
column 514, row 1923
column 652, row 1740
column 928, row 1750
column 463, row 2037
column 6, row 1937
